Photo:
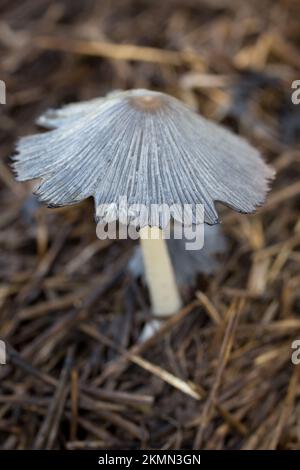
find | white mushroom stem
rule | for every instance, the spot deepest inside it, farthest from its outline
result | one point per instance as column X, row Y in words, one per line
column 164, row 294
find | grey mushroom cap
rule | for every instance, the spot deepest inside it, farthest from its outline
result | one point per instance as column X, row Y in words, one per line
column 146, row 146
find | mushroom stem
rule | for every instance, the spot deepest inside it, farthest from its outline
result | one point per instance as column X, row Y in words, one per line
column 164, row 294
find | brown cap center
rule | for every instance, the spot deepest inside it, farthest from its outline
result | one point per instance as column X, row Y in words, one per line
column 146, row 103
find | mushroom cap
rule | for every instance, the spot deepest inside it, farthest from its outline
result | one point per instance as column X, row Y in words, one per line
column 145, row 146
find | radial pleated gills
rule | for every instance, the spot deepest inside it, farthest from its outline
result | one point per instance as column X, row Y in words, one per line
column 147, row 147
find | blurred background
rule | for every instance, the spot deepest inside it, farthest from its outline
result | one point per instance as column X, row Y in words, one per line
column 220, row 373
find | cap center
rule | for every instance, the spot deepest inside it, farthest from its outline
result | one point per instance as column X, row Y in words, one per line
column 146, row 103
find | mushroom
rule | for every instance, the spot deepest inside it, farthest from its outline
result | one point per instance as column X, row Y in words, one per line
column 155, row 151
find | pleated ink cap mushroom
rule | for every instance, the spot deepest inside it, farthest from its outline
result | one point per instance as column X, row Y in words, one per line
column 156, row 152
